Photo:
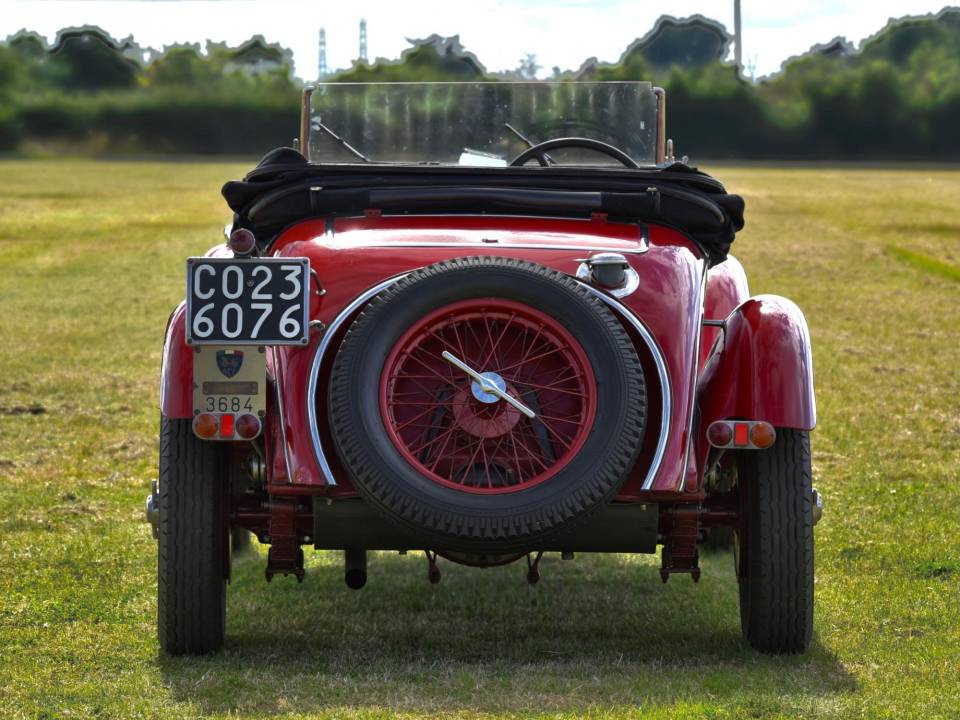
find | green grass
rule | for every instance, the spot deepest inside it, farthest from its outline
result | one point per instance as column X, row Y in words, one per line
column 925, row 262
column 91, row 261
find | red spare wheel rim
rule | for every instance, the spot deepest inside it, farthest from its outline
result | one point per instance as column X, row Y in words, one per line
column 457, row 431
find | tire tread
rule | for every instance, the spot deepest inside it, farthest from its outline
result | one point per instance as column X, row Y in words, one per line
column 776, row 596
column 191, row 584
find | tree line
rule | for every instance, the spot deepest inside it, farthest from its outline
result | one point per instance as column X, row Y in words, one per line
column 897, row 97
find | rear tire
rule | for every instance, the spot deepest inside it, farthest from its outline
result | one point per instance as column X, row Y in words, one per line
column 774, row 550
column 193, row 542
column 478, row 520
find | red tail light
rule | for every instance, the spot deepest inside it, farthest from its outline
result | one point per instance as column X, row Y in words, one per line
column 241, row 241
column 205, row 425
column 762, row 435
column 741, row 434
column 248, row 426
column 719, row 434
column 226, row 426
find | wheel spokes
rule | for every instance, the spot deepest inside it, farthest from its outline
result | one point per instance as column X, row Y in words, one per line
column 476, row 429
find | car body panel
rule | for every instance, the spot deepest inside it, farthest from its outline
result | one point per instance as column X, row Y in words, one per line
column 757, row 367
column 727, row 287
column 761, row 368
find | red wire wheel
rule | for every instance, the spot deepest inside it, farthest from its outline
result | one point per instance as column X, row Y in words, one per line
column 484, row 404
column 443, row 422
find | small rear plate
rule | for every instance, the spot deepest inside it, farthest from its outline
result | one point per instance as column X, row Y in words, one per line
column 230, row 380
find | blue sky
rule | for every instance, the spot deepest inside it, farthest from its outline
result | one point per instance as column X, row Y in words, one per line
column 561, row 32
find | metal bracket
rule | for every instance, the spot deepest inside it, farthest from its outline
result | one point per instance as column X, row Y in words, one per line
column 316, row 278
column 285, row 555
column 433, row 570
column 680, row 554
column 533, row 568
column 152, row 510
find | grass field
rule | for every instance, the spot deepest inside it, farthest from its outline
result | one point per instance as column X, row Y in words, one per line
column 91, row 264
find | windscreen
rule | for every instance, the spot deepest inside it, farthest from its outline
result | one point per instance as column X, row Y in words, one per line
column 479, row 124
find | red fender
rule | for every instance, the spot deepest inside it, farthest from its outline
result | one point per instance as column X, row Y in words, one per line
column 761, row 368
column 176, row 369
column 726, row 288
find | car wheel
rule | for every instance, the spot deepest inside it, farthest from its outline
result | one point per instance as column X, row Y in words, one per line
column 774, row 544
column 194, row 547
column 461, row 466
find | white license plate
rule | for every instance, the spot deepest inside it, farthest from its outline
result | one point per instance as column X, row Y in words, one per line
column 230, row 379
column 248, row 301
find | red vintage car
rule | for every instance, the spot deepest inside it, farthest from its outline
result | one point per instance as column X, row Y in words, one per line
column 485, row 321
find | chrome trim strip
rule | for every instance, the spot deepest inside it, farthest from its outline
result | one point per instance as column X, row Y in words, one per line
column 315, row 371
column 644, row 246
column 308, row 90
column 277, row 377
column 664, row 377
column 661, row 150
column 693, row 375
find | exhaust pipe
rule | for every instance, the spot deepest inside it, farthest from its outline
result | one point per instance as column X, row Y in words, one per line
column 355, row 568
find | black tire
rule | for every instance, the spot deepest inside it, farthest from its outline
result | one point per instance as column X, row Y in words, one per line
column 719, row 540
column 496, row 523
column 774, row 552
column 193, row 559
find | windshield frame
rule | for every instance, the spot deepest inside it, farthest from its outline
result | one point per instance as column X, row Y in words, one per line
column 660, row 144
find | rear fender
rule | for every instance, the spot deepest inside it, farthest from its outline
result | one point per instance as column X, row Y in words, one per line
column 760, row 369
column 726, row 289
column 176, row 369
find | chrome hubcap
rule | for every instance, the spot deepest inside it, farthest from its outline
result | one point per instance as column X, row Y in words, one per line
column 485, row 392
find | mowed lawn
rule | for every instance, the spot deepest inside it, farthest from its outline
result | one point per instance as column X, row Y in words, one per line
column 91, row 262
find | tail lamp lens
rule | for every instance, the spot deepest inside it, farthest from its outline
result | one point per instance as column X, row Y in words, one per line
column 741, row 434
column 762, row 435
column 248, row 426
column 206, row 425
column 744, row 434
column 241, row 241
column 226, row 426
column 719, row 434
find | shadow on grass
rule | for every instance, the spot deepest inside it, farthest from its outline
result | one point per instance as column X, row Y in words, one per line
column 597, row 631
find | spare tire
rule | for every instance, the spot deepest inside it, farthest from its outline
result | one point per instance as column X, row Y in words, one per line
column 433, row 388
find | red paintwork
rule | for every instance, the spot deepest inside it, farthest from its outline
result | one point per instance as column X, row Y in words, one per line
column 176, row 368
column 176, row 365
column 363, row 251
column 761, row 369
column 528, row 349
column 726, row 288
column 762, row 366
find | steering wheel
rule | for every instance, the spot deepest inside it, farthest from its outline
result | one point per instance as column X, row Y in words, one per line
column 540, row 150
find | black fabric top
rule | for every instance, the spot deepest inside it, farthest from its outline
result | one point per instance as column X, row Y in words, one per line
column 284, row 189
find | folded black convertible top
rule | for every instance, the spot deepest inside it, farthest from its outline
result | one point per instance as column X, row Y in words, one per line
column 284, row 189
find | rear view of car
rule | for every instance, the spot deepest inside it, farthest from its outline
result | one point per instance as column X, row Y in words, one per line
column 484, row 321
